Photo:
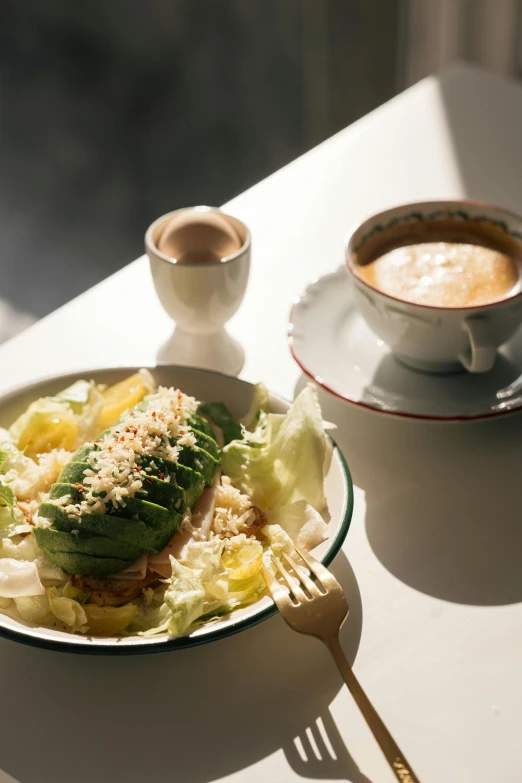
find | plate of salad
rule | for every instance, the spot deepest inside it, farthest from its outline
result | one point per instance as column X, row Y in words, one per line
column 138, row 505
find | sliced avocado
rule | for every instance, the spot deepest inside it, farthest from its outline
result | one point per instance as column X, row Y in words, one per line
column 131, row 531
column 153, row 515
column 209, row 444
column 201, row 460
column 73, row 472
column 99, row 567
column 191, row 481
column 163, row 493
column 198, row 422
column 55, row 513
column 157, row 491
column 81, row 454
column 156, row 518
column 203, row 442
column 63, row 490
column 84, row 543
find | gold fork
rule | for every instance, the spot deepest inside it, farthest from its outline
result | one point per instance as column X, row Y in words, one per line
column 319, row 608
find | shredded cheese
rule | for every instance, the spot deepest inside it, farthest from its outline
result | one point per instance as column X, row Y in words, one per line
column 114, row 473
column 234, row 512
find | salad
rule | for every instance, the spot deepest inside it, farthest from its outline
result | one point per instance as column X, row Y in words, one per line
column 135, row 509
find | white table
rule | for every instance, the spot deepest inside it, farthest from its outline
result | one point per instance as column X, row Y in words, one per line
column 433, row 555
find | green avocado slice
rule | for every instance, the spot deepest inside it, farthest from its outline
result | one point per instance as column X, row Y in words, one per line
column 83, row 543
column 153, row 515
column 55, row 513
column 155, row 490
column 163, row 493
column 146, row 522
column 98, row 567
column 62, row 490
column 201, row 461
column 73, row 472
column 131, row 531
column 201, row 424
column 191, row 481
column 209, row 444
column 202, row 442
column 81, row 454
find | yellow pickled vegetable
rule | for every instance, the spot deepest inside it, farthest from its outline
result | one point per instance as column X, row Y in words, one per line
column 243, row 560
column 47, row 430
column 108, row 620
column 122, row 396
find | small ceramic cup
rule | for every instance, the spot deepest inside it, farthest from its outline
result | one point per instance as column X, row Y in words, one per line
column 201, row 296
column 426, row 337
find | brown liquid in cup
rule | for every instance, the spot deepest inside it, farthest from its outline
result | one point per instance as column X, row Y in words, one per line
column 461, row 269
column 443, row 274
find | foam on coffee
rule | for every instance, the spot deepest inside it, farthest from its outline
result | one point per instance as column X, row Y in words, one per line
column 460, row 269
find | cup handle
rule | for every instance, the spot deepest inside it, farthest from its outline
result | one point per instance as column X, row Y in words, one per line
column 482, row 353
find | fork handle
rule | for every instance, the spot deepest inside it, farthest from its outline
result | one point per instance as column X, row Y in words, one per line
column 389, row 747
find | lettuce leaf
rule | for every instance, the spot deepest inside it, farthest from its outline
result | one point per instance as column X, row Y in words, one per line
column 198, row 585
column 86, row 402
column 12, row 520
column 76, row 396
column 34, row 609
column 7, row 498
column 301, row 522
column 260, row 404
column 24, row 549
column 185, row 598
column 17, row 466
column 68, row 611
column 283, row 460
column 19, row 578
column 78, row 407
column 205, row 558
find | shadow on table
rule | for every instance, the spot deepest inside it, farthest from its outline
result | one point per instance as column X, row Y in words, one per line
column 393, row 384
column 442, row 509
column 319, row 752
column 192, row 715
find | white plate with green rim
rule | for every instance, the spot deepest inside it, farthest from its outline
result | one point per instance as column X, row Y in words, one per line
column 205, row 386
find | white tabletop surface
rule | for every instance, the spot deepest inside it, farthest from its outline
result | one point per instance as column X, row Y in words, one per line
column 432, row 561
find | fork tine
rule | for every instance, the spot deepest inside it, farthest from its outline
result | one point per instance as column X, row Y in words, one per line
column 302, row 575
column 277, row 591
column 294, row 588
column 315, row 567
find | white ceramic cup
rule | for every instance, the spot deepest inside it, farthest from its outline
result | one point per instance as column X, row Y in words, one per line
column 201, row 297
column 426, row 337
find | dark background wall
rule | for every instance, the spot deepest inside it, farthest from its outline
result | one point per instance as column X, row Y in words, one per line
column 112, row 113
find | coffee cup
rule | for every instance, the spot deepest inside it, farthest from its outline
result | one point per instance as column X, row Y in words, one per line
column 467, row 304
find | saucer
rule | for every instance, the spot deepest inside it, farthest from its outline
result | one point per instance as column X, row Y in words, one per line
column 335, row 347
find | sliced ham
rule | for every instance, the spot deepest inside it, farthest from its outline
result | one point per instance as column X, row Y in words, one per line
column 203, row 512
column 201, row 521
column 160, row 563
column 136, row 571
